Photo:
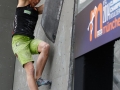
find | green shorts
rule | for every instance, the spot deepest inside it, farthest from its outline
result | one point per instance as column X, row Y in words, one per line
column 23, row 47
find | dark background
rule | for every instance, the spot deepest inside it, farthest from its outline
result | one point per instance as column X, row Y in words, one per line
column 94, row 70
column 7, row 59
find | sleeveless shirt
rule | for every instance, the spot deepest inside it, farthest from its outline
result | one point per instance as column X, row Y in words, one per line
column 25, row 21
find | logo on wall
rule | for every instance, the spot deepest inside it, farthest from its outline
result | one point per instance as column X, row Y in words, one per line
column 104, row 18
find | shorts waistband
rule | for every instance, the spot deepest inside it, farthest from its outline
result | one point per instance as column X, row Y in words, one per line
column 22, row 37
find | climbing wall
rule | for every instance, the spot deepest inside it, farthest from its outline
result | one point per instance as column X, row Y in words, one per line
column 58, row 64
column 7, row 59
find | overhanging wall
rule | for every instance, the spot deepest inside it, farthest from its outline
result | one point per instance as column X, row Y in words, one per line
column 57, row 67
